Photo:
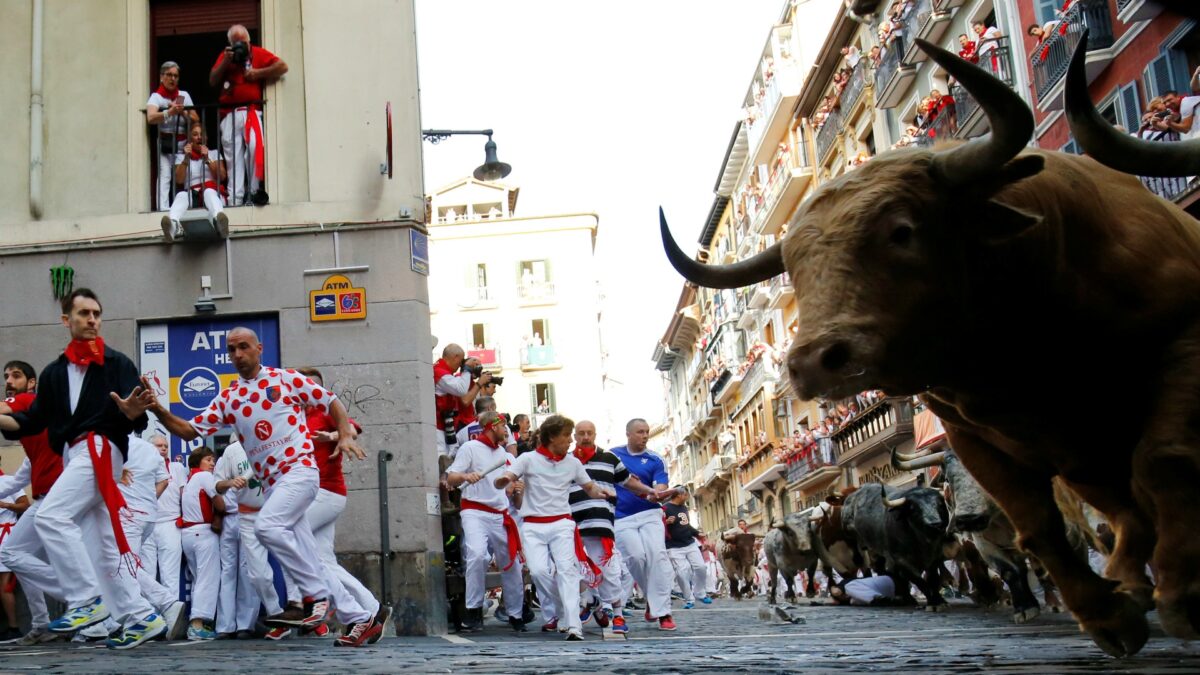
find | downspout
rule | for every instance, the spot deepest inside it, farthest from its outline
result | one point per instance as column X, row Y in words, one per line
column 35, row 113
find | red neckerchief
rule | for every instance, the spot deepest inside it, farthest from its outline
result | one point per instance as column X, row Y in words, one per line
column 585, row 453
column 544, row 452
column 83, row 352
column 166, row 93
column 482, row 438
column 195, row 155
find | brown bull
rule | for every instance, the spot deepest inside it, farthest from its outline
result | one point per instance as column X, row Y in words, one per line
column 837, row 548
column 737, row 558
column 1019, row 292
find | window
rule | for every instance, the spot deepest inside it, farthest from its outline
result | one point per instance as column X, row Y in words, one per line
column 479, row 335
column 534, row 279
column 539, row 334
column 541, row 398
column 1046, row 10
column 1168, row 71
column 1122, row 107
column 477, row 278
column 1072, row 147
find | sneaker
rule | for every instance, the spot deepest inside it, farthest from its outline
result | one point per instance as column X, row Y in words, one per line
column 359, row 634
column 80, row 617
column 222, row 222
column 602, row 617
column 518, row 625
column 318, row 631
column 689, row 605
column 648, row 617
column 37, row 636
column 618, row 624
column 245, row 635
column 199, row 634
column 473, row 621
column 550, row 626
column 168, row 228
column 316, row 611
column 666, row 623
column 382, row 617
column 585, row 614
column 147, row 629
column 292, row 616
column 625, row 612
column 279, row 633
column 706, row 600
column 176, row 620
column 574, row 635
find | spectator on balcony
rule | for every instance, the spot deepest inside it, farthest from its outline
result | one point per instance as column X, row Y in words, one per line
column 875, row 55
column 1154, row 126
column 543, row 407
column 967, row 53
column 988, row 37
column 167, row 110
column 241, row 87
column 199, row 171
column 852, row 56
column 853, row 411
column 1184, row 111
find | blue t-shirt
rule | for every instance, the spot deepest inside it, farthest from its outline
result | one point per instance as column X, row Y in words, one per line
column 650, row 469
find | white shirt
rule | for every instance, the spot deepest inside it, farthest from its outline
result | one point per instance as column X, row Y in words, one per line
column 171, row 124
column 148, row 469
column 75, row 374
column 477, row 456
column 863, row 591
column 1187, row 108
column 192, row 508
column 547, row 483
column 168, row 501
column 7, row 515
column 988, row 41
column 230, row 466
column 17, row 481
column 267, row 412
column 458, row 385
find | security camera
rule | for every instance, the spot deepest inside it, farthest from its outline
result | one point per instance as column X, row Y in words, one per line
column 205, row 304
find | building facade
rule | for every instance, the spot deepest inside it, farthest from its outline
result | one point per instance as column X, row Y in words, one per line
column 330, row 271
column 519, row 293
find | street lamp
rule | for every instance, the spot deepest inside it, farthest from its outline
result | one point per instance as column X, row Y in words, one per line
column 491, row 169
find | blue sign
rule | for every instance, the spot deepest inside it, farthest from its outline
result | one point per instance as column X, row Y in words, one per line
column 154, row 348
column 325, row 304
column 418, row 251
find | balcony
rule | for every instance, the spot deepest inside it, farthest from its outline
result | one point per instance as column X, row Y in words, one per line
column 1132, row 11
column 761, row 296
column 855, row 87
column 972, row 121
column 727, row 383
column 932, row 22
column 539, row 358
column 536, row 293
column 781, row 291
column 1049, row 61
column 489, row 357
column 813, row 464
column 828, row 134
column 789, row 177
column 748, row 319
column 888, row 421
column 751, row 509
column 893, row 76
column 476, row 297
column 1170, row 188
column 770, row 472
column 717, row 469
column 775, row 107
column 947, row 5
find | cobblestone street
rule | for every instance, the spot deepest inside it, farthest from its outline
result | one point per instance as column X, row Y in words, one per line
column 726, row 636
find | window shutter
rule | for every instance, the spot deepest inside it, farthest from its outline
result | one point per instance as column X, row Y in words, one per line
column 550, row 398
column 1158, row 76
column 1071, row 147
column 546, row 332
column 533, row 402
column 549, row 276
column 1180, row 75
column 1130, row 107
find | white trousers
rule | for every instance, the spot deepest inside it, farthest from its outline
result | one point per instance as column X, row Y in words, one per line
column 212, row 202
column 24, row 555
column 483, row 538
column 72, row 506
column 349, row 594
column 202, row 548
column 166, row 173
column 609, row 591
column 227, row 596
column 257, row 568
column 283, row 528
column 140, row 530
column 690, row 570
column 163, row 553
column 545, row 544
column 642, row 539
column 711, row 576
column 238, row 154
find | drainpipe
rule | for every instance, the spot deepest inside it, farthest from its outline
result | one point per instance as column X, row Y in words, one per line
column 35, row 113
column 385, row 547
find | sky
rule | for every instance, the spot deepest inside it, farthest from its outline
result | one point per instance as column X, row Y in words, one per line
column 614, row 108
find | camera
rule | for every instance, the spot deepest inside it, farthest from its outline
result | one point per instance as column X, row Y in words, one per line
column 478, row 370
column 241, row 51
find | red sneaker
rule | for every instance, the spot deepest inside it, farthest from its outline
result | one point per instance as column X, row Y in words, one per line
column 316, row 611
column 666, row 623
column 648, row 617
column 279, row 633
column 550, row 626
column 359, row 634
column 601, row 617
column 618, row 623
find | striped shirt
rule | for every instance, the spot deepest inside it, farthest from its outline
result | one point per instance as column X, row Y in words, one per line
column 595, row 517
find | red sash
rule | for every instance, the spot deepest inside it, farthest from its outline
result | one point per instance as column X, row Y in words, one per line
column 510, row 528
column 5, row 528
column 252, row 127
column 114, row 501
column 591, row 571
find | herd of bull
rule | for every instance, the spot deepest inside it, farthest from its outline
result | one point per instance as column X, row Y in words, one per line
column 1022, row 294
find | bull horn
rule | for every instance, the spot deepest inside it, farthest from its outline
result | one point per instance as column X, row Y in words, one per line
column 915, row 462
column 893, row 503
column 903, row 456
column 1010, row 118
column 1112, row 148
column 765, row 265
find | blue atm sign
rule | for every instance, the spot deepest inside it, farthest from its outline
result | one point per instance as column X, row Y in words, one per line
column 337, row 300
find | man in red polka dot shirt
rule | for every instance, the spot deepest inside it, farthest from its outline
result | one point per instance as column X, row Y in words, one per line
column 265, row 406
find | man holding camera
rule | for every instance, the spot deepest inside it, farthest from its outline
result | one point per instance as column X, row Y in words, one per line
column 241, row 71
column 457, row 380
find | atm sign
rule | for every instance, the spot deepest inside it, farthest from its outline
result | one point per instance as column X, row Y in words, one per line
column 337, row 300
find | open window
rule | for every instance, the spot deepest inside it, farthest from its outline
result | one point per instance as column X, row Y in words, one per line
column 541, row 399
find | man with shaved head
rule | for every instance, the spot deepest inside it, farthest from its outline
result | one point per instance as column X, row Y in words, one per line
column 594, row 518
column 454, row 389
column 266, row 407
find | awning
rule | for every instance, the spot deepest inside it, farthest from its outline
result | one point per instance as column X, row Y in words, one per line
column 927, row 429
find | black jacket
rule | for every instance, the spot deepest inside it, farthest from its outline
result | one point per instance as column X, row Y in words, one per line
column 679, row 533
column 96, row 411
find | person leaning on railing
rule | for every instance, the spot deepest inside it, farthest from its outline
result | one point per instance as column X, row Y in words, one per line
column 169, row 109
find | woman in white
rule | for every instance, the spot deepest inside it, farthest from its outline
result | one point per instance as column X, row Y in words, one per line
column 201, row 544
column 200, row 172
column 169, row 109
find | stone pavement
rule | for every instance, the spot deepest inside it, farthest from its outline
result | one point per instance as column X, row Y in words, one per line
column 726, row 636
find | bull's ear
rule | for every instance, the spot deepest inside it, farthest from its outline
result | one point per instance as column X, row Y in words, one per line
column 998, row 223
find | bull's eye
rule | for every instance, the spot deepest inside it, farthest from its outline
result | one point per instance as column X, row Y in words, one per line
column 901, row 235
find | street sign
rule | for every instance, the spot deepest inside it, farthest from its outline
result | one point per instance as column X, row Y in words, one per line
column 337, row 300
column 418, row 244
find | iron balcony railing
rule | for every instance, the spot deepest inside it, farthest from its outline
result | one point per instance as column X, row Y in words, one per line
column 893, row 58
column 883, row 421
column 1050, row 59
column 924, row 10
column 1168, row 188
column 997, row 61
column 856, row 85
column 964, row 104
column 810, row 458
column 538, row 355
column 828, row 133
column 535, row 291
column 239, row 144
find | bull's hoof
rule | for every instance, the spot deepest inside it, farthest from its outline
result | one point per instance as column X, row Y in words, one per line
column 1025, row 615
column 1142, row 594
column 1123, row 632
column 810, row 594
column 1180, row 614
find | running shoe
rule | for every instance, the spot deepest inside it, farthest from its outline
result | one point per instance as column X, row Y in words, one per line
column 706, row 600
column 80, row 617
column 39, row 635
column 290, row 617
column 574, row 635
column 602, row 617
column 176, row 620
column 550, row 626
column 359, row 634
column 201, row 634
column 618, row 624
column 382, row 617
column 147, row 629
column 316, row 611
column 586, row 613
column 689, row 605
column 666, row 623
column 648, row 617
column 279, row 633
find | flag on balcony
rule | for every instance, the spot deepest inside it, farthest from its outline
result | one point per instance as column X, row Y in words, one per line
column 928, row 429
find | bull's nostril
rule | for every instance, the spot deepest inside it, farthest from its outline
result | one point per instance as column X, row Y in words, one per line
column 835, row 356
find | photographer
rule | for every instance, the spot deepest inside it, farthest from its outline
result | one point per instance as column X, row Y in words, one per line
column 240, row 72
column 455, row 389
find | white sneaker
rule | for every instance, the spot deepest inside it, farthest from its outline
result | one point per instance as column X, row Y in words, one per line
column 96, row 631
column 169, row 227
column 574, row 635
column 222, row 222
column 176, row 620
